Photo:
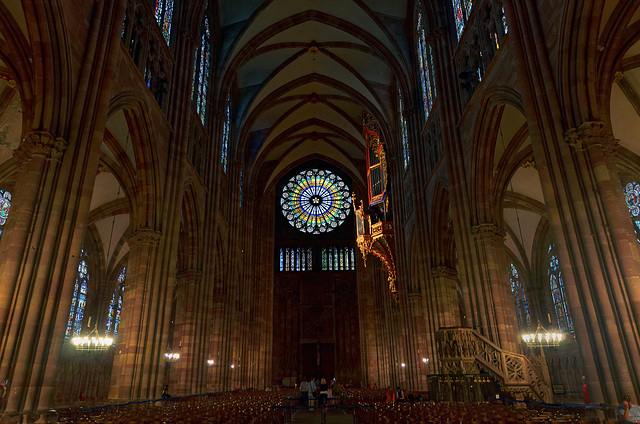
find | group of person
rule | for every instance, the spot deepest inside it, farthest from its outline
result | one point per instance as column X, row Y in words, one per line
column 398, row 395
column 311, row 390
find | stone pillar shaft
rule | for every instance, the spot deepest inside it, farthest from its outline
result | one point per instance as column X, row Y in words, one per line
column 497, row 299
column 139, row 357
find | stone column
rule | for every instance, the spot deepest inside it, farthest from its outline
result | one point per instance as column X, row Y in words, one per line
column 497, row 300
column 446, row 284
column 138, row 360
column 27, row 265
column 184, row 372
column 602, row 272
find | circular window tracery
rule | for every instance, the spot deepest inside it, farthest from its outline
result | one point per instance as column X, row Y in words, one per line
column 315, row 201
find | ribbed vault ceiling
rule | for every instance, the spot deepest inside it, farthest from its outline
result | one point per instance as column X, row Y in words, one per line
column 303, row 72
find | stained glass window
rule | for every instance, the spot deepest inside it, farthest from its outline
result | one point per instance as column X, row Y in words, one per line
column 125, row 24
column 79, row 299
column 461, row 13
column 164, row 15
column 556, row 284
column 632, row 197
column 226, row 129
column 115, row 306
column 520, row 298
column 504, row 22
column 403, row 131
column 338, row 259
column 425, row 61
column 200, row 82
column 5, row 205
column 315, row 201
column 296, row 259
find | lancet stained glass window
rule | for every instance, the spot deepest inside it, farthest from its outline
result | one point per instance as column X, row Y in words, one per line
column 461, row 12
column 115, row 306
column 556, row 284
column 226, row 130
column 164, row 15
column 632, row 197
column 315, row 201
column 425, row 61
column 403, row 131
column 200, row 82
column 520, row 298
column 5, row 205
column 338, row 259
column 296, row 259
column 79, row 299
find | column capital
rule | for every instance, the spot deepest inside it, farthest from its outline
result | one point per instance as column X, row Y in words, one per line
column 40, row 143
column 188, row 276
column 144, row 236
column 444, row 272
column 589, row 134
column 488, row 231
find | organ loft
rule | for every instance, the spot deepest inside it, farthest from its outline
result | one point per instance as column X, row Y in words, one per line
column 217, row 194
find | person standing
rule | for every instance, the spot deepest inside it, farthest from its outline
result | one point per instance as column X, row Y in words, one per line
column 304, row 392
column 324, row 393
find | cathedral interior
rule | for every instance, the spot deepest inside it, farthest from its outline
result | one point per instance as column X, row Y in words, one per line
column 218, row 194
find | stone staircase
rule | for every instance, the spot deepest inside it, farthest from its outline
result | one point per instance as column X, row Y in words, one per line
column 465, row 351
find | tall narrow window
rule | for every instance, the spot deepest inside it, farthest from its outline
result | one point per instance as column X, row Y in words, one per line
column 403, row 131
column 79, row 299
column 556, row 284
column 504, row 22
column 461, row 12
column 425, row 61
column 5, row 205
column 241, row 184
column 226, row 130
column 632, row 196
column 200, row 82
column 115, row 306
column 164, row 15
column 522, row 305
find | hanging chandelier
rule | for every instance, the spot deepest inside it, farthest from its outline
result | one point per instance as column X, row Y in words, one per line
column 92, row 342
column 543, row 338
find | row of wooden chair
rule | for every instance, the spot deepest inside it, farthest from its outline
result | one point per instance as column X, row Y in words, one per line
column 250, row 407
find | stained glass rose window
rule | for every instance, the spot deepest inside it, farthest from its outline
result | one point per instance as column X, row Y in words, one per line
column 315, row 201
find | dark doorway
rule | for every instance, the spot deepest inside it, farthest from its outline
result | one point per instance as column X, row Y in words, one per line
column 309, row 360
column 327, row 361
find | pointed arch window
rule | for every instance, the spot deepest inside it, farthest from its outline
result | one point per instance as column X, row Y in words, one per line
column 426, row 71
column 522, row 305
column 556, row 283
column 115, row 306
column 403, row 131
column 5, row 206
column 201, row 65
column 226, row 131
column 79, row 299
column 164, row 16
column 461, row 12
column 632, row 197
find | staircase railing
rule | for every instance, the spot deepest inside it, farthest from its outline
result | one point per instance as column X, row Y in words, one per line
column 465, row 351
